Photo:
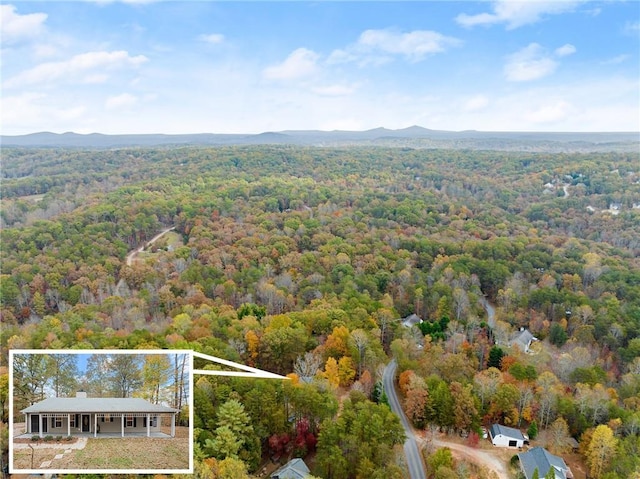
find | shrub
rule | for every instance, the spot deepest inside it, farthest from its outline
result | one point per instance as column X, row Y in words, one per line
column 68, row 438
column 48, row 438
column 474, row 439
column 58, row 438
column 35, row 438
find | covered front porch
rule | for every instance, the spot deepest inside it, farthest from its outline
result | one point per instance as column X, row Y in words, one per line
column 98, row 424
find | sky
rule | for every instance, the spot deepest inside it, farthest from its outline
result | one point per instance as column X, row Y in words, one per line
column 124, row 67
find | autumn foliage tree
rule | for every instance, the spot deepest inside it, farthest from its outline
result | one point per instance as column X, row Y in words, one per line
column 601, row 450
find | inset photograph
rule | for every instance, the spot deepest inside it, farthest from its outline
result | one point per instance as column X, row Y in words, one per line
column 100, row 411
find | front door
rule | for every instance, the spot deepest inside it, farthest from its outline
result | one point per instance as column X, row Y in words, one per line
column 86, row 423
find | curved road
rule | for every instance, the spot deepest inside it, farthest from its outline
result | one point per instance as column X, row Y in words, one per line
column 414, row 460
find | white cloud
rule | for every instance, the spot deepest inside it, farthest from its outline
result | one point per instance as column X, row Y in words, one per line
column 412, row 45
column 341, row 56
column 213, row 38
column 476, row 103
column 123, row 101
column 565, row 50
column 78, row 68
column 594, row 12
column 299, row 64
column 19, row 110
column 30, row 111
column 552, row 112
column 95, row 78
column 530, row 63
column 16, row 27
column 616, row 60
column 632, row 28
column 335, row 90
column 45, row 50
column 379, row 46
column 517, row 14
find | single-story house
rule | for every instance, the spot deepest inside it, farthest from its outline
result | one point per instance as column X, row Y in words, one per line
column 80, row 414
column 523, row 340
column 504, row 436
column 294, row 469
column 542, row 460
column 411, row 320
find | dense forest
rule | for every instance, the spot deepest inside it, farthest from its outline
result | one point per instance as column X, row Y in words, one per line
column 303, row 260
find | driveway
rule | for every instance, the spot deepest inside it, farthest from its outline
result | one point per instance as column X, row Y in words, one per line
column 475, row 455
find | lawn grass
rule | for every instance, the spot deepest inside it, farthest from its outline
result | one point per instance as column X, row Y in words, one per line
column 132, row 453
column 22, row 457
column 138, row 453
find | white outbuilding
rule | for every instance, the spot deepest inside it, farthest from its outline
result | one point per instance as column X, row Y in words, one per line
column 503, row 436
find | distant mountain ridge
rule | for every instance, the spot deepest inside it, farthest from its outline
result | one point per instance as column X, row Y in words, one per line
column 413, row 136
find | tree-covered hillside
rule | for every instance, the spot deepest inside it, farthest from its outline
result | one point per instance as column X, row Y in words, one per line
column 301, row 261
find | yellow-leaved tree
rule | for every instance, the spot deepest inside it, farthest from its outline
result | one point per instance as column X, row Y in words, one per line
column 600, row 450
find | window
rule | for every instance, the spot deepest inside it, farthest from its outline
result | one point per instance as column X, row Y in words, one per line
column 58, row 422
column 153, row 421
column 129, row 422
column 72, row 420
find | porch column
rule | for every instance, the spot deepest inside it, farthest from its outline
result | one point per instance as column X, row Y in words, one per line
column 173, row 425
column 68, row 424
column 40, row 421
column 148, row 425
column 95, row 425
column 122, row 424
column 27, row 426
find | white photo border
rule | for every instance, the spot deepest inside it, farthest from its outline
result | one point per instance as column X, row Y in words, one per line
column 141, row 352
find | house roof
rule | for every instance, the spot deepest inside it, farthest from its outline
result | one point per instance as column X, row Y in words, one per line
column 523, row 339
column 294, row 469
column 511, row 432
column 541, row 459
column 108, row 405
column 411, row 320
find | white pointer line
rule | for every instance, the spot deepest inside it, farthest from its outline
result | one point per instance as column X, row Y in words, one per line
column 250, row 372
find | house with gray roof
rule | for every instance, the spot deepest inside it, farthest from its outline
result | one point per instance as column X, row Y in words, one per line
column 523, row 340
column 411, row 320
column 504, row 436
column 83, row 415
column 294, row 469
column 542, row 460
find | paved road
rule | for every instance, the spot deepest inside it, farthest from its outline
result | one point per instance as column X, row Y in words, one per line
column 414, row 460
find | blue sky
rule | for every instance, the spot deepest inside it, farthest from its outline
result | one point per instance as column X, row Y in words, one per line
column 248, row 67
